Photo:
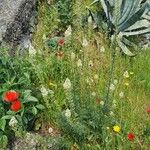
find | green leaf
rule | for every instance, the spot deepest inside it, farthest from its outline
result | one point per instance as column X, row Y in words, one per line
column 3, row 141
column 40, row 106
column 30, row 99
column 34, row 110
column 2, row 124
column 7, row 117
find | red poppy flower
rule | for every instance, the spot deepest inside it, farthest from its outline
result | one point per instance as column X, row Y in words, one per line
column 16, row 105
column 148, row 109
column 131, row 136
column 61, row 42
column 10, row 96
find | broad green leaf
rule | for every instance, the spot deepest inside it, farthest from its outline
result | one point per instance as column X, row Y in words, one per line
column 40, row 106
column 3, row 141
column 7, row 117
column 2, row 124
column 30, row 99
column 34, row 110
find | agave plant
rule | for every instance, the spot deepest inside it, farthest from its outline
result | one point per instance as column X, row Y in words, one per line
column 125, row 18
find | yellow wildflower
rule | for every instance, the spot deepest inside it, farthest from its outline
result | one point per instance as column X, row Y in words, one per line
column 131, row 73
column 126, row 84
column 116, row 128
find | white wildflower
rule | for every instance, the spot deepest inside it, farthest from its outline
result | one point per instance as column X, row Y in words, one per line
column 111, row 113
column 126, row 74
column 90, row 20
column 102, row 49
column 73, row 56
column 102, row 103
column 112, row 87
column 44, row 37
column 68, row 113
column 79, row 63
column 67, row 84
column 121, row 94
column 95, row 76
column 85, row 42
column 50, row 130
column 13, row 121
column 68, row 32
column 115, row 81
column 93, row 94
column 90, row 63
column 44, row 91
column 32, row 51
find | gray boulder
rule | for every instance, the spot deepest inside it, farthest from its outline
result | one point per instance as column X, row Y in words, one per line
column 15, row 19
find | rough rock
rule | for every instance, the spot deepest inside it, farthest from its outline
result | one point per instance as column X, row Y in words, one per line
column 15, row 18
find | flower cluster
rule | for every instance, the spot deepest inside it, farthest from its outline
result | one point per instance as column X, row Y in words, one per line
column 12, row 98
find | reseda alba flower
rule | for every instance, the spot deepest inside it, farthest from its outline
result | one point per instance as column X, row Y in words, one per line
column 10, row 96
column 13, row 121
column 116, row 129
column 68, row 113
column 79, row 63
column 126, row 74
column 67, row 84
column 85, row 43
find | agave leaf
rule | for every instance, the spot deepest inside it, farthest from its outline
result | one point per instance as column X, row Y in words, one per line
column 117, row 12
column 135, row 17
column 105, row 6
column 146, row 17
column 144, row 31
column 124, row 47
column 139, row 24
column 95, row 1
column 127, row 7
column 127, row 42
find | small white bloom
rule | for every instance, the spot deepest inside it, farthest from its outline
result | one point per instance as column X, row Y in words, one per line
column 111, row 113
column 13, row 121
column 107, row 128
column 68, row 113
column 73, row 56
column 44, row 37
column 102, row 49
column 126, row 74
column 50, row 130
column 68, row 32
column 93, row 94
column 85, row 42
column 95, row 76
column 115, row 81
column 121, row 94
column 79, row 63
column 112, row 87
column 32, row 51
column 90, row 63
column 102, row 103
column 67, row 84
column 90, row 20
column 44, row 91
